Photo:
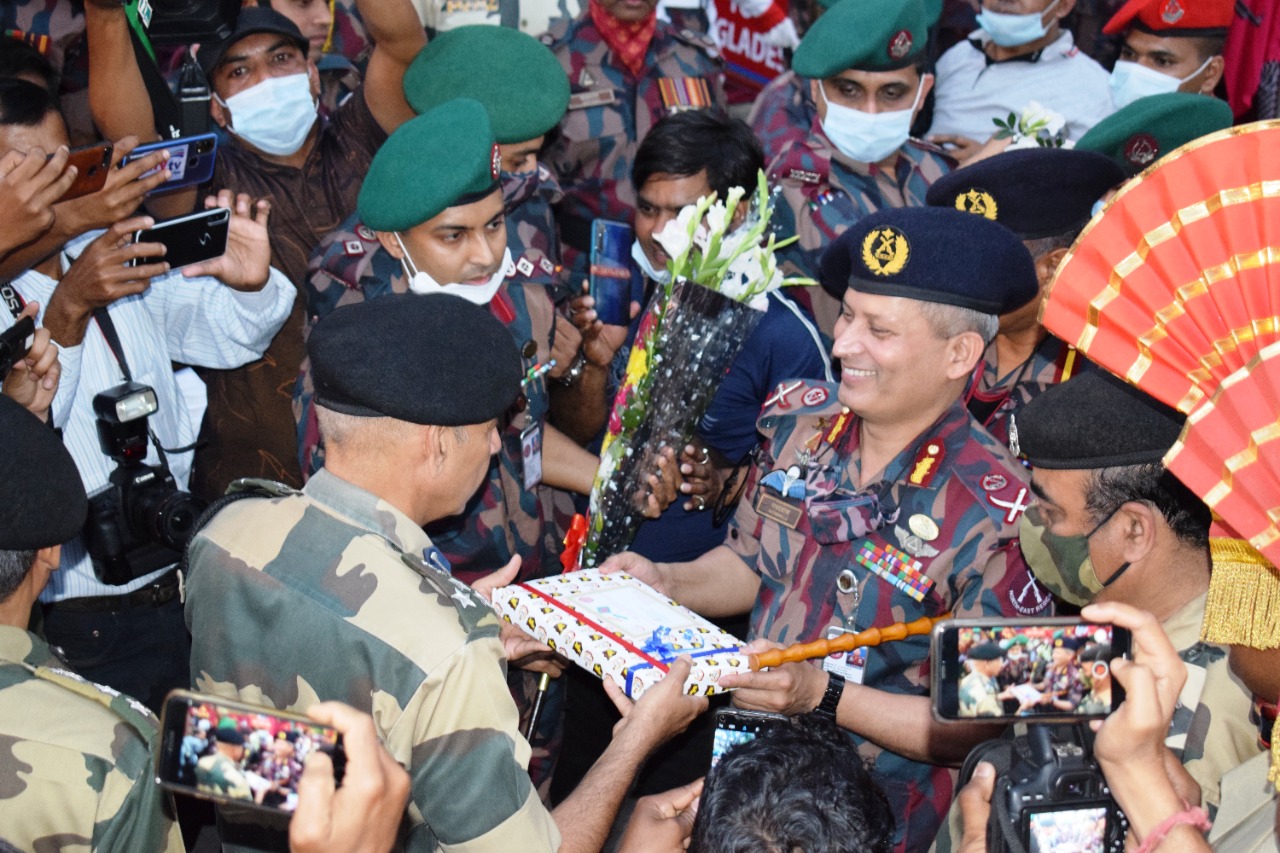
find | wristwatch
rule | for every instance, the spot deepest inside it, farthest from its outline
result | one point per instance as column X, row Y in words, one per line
column 831, row 699
column 574, row 373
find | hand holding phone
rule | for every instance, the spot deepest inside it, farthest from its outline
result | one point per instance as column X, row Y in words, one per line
column 231, row 752
column 735, row 726
column 190, row 163
column 30, row 184
column 93, row 166
column 610, row 282
column 188, row 240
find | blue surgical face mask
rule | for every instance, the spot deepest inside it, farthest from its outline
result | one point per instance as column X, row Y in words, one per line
column 275, row 115
column 1131, row 81
column 642, row 261
column 867, row 137
column 1014, row 30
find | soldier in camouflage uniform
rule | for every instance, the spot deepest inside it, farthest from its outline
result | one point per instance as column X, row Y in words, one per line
column 855, row 159
column 220, row 772
column 979, row 690
column 337, row 592
column 783, row 113
column 927, row 525
column 525, row 92
column 1118, row 436
column 1045, row 196
column 625, row 73
column 77, row 767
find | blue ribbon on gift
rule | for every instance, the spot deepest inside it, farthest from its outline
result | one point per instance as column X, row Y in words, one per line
column 660, row 645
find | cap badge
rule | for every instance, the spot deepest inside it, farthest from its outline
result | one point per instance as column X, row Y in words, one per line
column 495, row 161
column 1172, row 12
column 885, row 250
column 1141, row 150
column 900, row 44
column 977, row 201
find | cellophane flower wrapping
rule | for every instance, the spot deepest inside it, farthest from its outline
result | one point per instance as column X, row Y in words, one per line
column 687, row 339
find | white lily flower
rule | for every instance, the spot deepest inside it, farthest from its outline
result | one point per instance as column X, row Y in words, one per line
column 1037, row 117
column 674, row 237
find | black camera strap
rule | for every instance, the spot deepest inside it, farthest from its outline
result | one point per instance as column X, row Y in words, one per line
column 12, row 299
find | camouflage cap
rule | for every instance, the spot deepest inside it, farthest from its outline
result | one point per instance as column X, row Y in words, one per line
column 426, row 359
column 1151, row 127
column 932, row 254
column 442, row 158
column 868, row 35
column 1034, row 192
column 44, row 498
column 1095, row 420
column 516, row 77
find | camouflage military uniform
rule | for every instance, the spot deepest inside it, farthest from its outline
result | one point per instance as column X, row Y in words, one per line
column 993, row 400
column 824, row 192
column 532, row 235
column 503, row 518
column 610, row 112
column 948, row 508
column 783, row 113
column 218, row 774
column 326, row 595
column 1061, row 685
column 75, row 759
column 978, row 696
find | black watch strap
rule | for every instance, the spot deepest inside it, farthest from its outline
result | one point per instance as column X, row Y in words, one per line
column 831, row 699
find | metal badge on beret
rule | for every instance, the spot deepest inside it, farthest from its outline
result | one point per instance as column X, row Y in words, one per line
column 978, row 202
column 885, row 250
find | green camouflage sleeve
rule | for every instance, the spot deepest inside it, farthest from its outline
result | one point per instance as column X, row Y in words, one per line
column 467, row 761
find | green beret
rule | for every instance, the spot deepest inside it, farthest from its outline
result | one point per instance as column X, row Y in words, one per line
column 1151, row 127
column 427, row 359
column 985, row 651
column 932, row 9
column 516, row 77
column 44, row 498
column 1095, row 420
column 932, row 254
column 440, row 159
column 868, row 35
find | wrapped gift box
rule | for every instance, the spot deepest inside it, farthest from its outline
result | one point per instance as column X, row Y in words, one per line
column 621, row 628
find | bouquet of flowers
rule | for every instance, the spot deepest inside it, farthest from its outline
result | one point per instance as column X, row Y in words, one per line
column 689, row 336
column 1037, row 127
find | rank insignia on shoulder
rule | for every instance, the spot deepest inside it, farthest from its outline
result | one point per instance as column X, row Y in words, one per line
column 926, row 464
column 547, row 266
column 684, row 93
column 804, row 176
column 789, row 483
column 353, row 247
column 524, row 266
column 776, row 509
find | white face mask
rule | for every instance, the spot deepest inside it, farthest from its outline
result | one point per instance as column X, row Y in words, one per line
column 477, row 294
column 275, row 115
column 1131, row 81
column 1013, row 30
column 867, row 137
column 642, row 261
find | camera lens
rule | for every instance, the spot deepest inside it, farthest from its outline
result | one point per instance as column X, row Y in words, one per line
column 167, row 516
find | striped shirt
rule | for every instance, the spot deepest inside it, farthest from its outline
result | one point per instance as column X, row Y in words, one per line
column 197, row 321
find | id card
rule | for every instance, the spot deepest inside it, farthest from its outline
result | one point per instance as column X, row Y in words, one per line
column 531, row 453
column 848, row 664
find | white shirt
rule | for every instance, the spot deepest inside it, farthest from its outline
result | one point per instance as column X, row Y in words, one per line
column 972, row 90
column 197, row 321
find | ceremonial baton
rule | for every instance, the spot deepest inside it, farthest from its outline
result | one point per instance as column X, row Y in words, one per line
column 845, row 642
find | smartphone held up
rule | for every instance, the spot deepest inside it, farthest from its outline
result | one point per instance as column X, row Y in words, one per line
column 1050, row 670
column 231, row 752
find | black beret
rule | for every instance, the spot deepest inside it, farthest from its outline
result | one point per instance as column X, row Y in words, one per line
column 985, row 651
column 1099, row 651
column 44, row 498
column 1067, row 643
column 427, row 359
column 1095, row 420
column 229, row 735
column 933, row 255
column 251, row 21
column 1034, row 192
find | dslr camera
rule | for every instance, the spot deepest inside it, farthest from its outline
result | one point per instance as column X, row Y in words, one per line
column 140, row 521
column 1049, row 793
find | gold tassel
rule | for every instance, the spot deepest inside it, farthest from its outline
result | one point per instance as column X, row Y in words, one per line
column 1243, row 606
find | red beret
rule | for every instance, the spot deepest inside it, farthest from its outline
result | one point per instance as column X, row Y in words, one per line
column 1174, row 17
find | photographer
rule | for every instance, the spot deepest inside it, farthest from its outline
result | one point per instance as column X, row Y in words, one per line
column 115, row 322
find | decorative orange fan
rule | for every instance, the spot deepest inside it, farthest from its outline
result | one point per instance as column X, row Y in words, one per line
column 1176, row 288
column 1176, row 285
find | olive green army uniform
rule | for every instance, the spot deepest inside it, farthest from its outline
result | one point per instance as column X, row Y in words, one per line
column 218, row 774
column 76, row 769
column 333, row 594
column 978, row 696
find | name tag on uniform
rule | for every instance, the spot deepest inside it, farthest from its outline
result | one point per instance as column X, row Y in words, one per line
column 776, row 509
column 531, row 455
column 594, row 98
column 848, row 664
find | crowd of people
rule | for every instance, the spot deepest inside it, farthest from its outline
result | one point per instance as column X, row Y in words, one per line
column 292, row 473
